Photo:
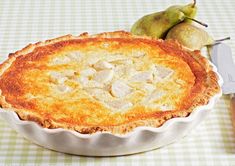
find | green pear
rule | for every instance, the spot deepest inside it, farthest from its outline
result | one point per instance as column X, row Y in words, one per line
column 157, row 24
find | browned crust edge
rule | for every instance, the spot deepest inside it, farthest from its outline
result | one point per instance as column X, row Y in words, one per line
column 202, row 99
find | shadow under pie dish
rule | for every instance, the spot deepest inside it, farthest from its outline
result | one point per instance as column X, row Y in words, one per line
column 107, row 94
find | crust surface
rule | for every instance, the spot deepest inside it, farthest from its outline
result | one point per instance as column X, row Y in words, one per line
column 41, row 82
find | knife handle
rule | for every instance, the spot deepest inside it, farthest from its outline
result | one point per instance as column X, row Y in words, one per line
column 232, row 108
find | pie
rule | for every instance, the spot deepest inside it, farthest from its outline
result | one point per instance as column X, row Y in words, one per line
column 110, row 82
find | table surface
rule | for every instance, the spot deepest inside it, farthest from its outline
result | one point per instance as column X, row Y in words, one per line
column 23, row 22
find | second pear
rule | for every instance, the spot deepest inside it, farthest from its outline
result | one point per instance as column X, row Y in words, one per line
column 190, row 36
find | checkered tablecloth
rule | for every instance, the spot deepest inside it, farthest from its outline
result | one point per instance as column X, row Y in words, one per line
column 24, row 21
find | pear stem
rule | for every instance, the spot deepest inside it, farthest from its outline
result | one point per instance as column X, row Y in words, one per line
column 199, row 22
column 194, row 3
column 220, row 40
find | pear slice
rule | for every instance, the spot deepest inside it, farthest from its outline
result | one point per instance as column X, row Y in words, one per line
column 101, row 65
column 120, row 89
column 104, row 76
column 146, row 76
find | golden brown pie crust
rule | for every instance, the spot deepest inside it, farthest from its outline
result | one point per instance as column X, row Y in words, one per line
column 13, row 86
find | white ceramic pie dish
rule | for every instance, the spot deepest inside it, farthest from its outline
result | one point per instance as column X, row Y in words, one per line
column 106, row 144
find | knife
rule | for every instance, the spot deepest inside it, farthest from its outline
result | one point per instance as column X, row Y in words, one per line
column 221, row 56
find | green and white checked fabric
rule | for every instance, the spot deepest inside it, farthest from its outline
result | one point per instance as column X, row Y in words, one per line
column 24, row 21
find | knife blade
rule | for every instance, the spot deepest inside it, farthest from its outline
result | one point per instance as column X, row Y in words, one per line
column 221, row 56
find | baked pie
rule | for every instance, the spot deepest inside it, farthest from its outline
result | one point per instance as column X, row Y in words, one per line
column 109, row 82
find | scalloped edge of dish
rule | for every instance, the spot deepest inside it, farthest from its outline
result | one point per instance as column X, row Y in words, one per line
column 108, row 144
